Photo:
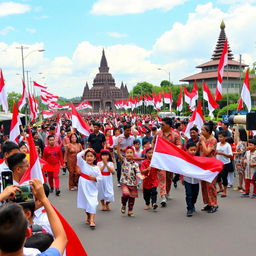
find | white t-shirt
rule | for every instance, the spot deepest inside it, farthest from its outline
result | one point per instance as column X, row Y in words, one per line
column 226, row 148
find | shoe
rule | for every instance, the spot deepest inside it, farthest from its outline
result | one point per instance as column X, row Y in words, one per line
column 253, row 196
column 51, row 190
column 123, row 209
column 163, row 201
column 190, row 213
column 230, row 186
column 57, row 192
column 206, row 208
column 223, row 195
column 154, row 206
column 244, row 195
column 72, row 189
column 118, row 184
column 212, row 209
column 131, row 214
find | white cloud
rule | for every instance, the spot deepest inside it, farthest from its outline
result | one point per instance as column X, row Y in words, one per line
column 120, row 7
column 6, row 30
column 31, row 30
column 10, row 8
column 117, row 35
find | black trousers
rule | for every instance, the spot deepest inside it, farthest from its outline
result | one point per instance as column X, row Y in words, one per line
column 150, row 195
column 192, row 191
column 223, row 175
column 118, row 168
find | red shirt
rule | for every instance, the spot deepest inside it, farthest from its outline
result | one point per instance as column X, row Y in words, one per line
column 53, row 156
column 151, row 179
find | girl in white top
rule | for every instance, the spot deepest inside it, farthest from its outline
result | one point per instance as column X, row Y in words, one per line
column 224, row 154
column 90, row 175
column 105, row 186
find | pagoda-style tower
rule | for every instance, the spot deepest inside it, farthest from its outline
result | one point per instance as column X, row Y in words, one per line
column 104, row 93
column 232, row 80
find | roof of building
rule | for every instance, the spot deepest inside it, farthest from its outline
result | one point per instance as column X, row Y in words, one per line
column 216, row 63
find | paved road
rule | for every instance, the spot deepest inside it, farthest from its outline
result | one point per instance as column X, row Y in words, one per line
column 230, row 231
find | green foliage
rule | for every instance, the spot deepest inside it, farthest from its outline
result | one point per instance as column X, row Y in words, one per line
column 165, row 83
column 13, row 97
column 224, row 110
column 142, row 88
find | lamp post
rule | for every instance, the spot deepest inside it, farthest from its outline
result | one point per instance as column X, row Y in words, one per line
column 22, row 48
column 168, row 72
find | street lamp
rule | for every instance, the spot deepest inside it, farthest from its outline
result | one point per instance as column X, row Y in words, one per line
column 168, row 72
column 22, row 48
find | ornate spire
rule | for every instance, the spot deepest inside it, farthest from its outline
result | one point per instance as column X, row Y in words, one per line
column 122, row 86
column 103, row 63
column 220, row 44
column 87, row 86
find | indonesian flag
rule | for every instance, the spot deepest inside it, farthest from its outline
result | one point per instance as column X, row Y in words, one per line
column 39, row 86
column 3, row 94
column 170, row 158
column 74, row 246
column 32, row 106
column 24, row 96
column 222, row 63
column 34, row 171
column 171, row 101
column 47, row 114
column 245, row 94
column 167, row 98
column 212, row 104
column 197, row 119
column 240, row 104
column 15, row 125
column 180, row 101
column 79, row 123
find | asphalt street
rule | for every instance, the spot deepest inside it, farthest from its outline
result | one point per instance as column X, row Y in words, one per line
column 167, row 231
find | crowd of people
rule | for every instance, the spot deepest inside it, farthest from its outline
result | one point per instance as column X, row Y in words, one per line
column 119, row 147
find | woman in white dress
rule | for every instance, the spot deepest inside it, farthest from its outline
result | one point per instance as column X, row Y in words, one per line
column 90, row 175
column 105, row 186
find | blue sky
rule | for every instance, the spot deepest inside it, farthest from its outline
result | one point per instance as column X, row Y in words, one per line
column 139, row 36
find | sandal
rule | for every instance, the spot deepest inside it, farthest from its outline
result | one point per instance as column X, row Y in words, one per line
column 123, row 209
column 92, row 225
column 131, row 214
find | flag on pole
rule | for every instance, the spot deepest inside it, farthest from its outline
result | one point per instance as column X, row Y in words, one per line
column 3, row 94
column 22, row 100
column 212, row 104
column 180, row 101
column 15, row 125
column 39, row 85
column 34, row 171
column 170, row 158
column 222, row 63
column 79, row 123
column 197, row 119
column 245, row 94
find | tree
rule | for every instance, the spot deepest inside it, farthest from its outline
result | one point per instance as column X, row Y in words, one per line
column 13, row 97
column 165, row 83
column 142, row 89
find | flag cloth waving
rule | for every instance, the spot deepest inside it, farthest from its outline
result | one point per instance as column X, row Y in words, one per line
column 79, row 123
column 170, row 158
column 245, row 94
column 15, row 125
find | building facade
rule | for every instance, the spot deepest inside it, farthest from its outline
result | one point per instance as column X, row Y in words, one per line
column 233, row 71
column 104, row 92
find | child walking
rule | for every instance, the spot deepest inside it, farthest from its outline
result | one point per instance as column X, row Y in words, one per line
column 191, row 184
column 105, row 186
column 250, row 169
column 150, row 182
column 87, row 196
column 224, row 154
column 130, row 171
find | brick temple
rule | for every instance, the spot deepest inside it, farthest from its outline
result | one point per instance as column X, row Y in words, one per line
column 233, row 72
column 104, row 92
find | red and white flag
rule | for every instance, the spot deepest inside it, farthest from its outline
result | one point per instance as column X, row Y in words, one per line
column 15, row 125
column 245, row 94
column 240, row 104
column 79, row 123
column 180, row 101
column 222, row 63
column 24, row 96
column 47, row 114
column 32, row 107
column 39, row 86
column 3, row 93
column 170, row 158
column 167, row 98
column 212, row 104
column 34, row 171
column 197, row 119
